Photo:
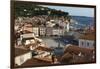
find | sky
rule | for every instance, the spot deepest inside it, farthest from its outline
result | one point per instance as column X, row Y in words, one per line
column 77, row 11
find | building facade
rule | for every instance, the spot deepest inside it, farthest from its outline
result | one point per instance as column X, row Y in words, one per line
column 36, row 31
column 42, row 31
column 87, row 40
column 86, row 43
column 49, row 31
column 58, row 32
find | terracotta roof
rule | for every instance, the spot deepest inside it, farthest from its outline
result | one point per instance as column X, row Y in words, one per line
column 71, row 56
column 19, row 51
column 77, row 50
column 66, row 57
column 43, row 48
column 28, row 25
column 88, row 36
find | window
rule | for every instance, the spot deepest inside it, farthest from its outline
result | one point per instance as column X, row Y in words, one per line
column 82, row 43
column 87, row 43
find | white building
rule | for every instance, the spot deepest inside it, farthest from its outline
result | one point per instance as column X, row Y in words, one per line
column 67, row 27
column 49, row 31
column 31, row 41
column 28, row 35
column 58, row 32
column 61, row 32
column 50, row 24
column 36, row 31
column 42, row 31
column 22, row 56
column 55, row 32
column 44, row 53
column 87, row 41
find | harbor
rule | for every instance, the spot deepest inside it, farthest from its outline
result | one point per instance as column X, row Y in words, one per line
column 52, row 37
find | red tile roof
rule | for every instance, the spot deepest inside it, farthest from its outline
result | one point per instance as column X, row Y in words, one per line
column 66, row 57
column 71, row 55
column 77, row 50
column 88, row 36
column 19, row 51
column 43, row 48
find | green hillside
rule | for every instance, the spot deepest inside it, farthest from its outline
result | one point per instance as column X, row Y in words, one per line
column 31, row 9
